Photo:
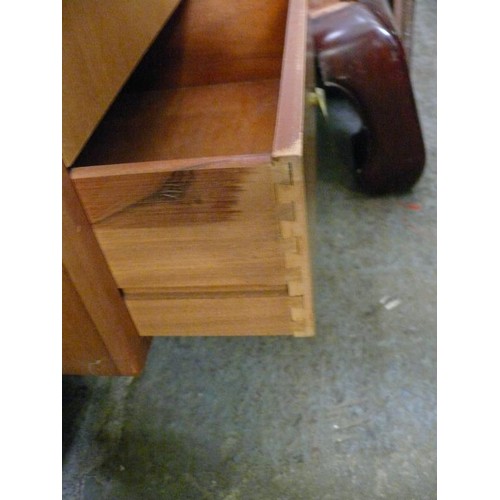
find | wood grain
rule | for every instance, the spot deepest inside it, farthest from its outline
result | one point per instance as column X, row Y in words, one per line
column 215, row 41
column 214, row 227
column 105, row 190
column 102, row 44
column 215, row 120
column 93, row 282
column 197, row 194
column 213, row 316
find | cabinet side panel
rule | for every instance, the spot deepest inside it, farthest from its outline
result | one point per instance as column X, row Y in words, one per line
column 83, row 350
column 90, row 276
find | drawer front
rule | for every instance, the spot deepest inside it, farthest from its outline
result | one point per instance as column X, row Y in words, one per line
column 217, row 226
column 215, row 315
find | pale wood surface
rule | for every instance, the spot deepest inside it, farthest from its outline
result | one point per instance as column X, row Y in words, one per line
column 297, row 254
column 83, row 351
column 94, row 284
column 215, row 227
column 102, row 43
column 105, row 190
column 265, row 315
column 215, row 120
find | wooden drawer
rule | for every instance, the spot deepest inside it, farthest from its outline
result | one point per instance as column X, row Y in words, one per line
column 243, row 313
column 195, row 180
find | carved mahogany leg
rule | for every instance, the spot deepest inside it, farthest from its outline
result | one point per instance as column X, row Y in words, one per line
column 358, row 49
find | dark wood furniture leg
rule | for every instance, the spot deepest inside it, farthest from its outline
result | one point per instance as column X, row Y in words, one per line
column 358, row 49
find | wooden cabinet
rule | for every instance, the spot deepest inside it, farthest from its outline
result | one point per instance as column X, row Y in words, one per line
column 195, row 180
column 99, row 336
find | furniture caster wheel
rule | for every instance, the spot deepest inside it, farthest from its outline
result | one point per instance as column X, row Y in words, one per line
column 357, row 49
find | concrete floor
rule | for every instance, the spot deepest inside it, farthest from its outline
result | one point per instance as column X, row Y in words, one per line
column 349, row 414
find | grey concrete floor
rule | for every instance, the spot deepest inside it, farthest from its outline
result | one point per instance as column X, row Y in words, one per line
column 349, row 414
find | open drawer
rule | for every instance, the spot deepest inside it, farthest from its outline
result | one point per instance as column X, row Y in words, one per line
column 195, row 180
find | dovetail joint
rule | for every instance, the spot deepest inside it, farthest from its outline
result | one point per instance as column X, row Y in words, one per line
column 287, row 197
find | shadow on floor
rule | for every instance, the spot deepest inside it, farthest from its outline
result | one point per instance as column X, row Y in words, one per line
column 335, row 137
column 75, row 395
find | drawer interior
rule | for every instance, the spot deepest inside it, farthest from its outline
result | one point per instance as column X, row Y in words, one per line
column 208, row 86
column 194, row 181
